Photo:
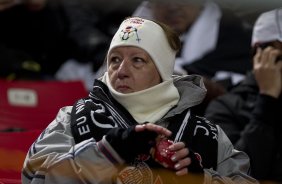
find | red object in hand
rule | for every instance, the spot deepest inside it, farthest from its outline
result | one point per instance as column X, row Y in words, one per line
column 163, row 154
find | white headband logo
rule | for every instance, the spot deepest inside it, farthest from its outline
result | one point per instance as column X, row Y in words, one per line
column 129, row 32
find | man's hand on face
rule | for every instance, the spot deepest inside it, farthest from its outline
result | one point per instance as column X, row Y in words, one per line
column 268, row 71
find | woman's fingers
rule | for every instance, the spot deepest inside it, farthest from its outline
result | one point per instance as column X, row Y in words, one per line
column 155, row 128
column 181, row 158
column 183, row 163
column 182, row 172
column 177, row 146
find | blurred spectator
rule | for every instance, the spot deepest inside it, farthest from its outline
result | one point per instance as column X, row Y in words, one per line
column 250, row 113
column 215, row 41
column 38, row 37
column 249, row 10
column 32, row 38
column 91, row 29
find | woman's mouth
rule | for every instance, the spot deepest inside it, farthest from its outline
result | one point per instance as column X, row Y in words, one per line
column 123, row 89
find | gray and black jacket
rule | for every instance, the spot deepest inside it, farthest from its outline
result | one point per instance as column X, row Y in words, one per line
column 73, row 148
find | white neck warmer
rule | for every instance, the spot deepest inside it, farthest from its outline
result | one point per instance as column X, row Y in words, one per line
column 148, row 105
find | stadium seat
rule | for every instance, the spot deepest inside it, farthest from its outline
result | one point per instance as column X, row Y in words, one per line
column 30, row 105
column 13, row 149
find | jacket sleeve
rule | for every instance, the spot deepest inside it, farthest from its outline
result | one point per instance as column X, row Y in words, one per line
column 225, row 111
column 55, row 158
column 232, row 166
column 259, row 138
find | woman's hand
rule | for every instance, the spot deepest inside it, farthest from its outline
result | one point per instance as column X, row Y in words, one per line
column 182, row 159
column 135, row 140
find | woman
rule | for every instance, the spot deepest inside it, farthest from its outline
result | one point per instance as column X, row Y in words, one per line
column 111, row 136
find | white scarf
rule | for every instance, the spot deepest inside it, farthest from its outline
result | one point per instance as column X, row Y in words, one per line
column 203, row 35
column 148, row 105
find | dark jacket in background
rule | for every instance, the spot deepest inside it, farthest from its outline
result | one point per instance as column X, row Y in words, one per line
column 253, row 122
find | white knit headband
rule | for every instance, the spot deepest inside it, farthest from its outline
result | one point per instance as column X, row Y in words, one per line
column 150, row 37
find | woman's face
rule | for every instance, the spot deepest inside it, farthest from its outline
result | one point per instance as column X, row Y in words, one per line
column 131, row 69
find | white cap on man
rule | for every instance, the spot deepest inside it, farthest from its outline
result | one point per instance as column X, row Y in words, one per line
column 268, row 27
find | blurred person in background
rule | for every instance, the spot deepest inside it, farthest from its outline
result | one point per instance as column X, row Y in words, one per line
column 32, row 39
column 38, row 37
column 250, row 113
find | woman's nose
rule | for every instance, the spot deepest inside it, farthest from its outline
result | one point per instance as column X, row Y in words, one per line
column 124, row 69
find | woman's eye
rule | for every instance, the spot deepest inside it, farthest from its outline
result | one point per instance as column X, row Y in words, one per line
column 115, row 60
column 139, row 61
